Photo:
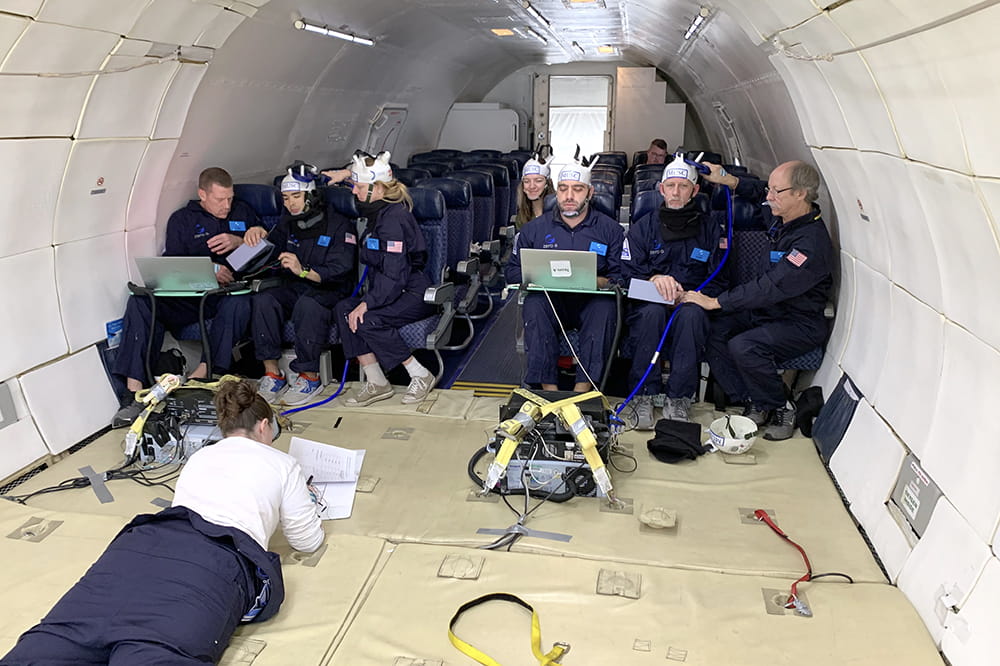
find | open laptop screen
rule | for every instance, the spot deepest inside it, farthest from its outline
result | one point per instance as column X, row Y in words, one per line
column 559, row 269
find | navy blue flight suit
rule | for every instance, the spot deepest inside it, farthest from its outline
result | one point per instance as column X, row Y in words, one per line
column 593, row 316
column 328, row 247
column 169, row 589
column 777, row 316
column 188, row 231
column 395, row 253
column 689, row 261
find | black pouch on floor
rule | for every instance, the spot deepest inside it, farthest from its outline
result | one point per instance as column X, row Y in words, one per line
column 807, row 409
column 676, row 441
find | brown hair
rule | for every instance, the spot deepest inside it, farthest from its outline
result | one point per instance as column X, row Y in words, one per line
column 240, row 407
column 659, row 143
column 214, row 176
column 524, row 212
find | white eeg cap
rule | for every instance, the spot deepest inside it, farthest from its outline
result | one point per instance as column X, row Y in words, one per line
column 379, row 172
column 680, row 169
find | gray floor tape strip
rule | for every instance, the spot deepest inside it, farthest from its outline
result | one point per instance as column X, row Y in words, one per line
column 104, row 495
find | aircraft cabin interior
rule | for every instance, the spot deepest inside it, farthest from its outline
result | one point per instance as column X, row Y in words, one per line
column 872, row 536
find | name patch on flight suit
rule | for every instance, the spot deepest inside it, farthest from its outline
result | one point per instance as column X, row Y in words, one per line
column 371, row 243
column 237, row 225
column 776, row 256
column 626, row 251
column 324, row 241
column 701, row 255
column 599, row 248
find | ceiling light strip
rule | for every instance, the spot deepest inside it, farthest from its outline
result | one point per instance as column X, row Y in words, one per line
column 300, row 24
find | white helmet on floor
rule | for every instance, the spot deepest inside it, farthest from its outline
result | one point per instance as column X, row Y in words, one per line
column 379, row 172
column 732, row 434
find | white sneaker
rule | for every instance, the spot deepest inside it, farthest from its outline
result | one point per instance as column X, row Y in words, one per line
column 301, row 391
column 644, row 412
column 368, row 394
column 419, row 389
column 270, row 388
column 676, row 409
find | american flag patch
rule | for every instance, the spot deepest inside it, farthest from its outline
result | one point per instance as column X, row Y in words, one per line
column 350, row 238
column 796, row 258
column 394, row 246
column 723, row 243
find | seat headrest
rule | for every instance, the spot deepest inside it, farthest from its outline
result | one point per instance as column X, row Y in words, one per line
column 411, row 177
column 619, row 160
column 703, row 203
column 485, row 152
column 482, row 183
column 457, row 193
column 747, row 215
column 604, row 202
column 264, row 199
column 342, row 200
column 645, row 203
column 427, row 204
column 501, row 177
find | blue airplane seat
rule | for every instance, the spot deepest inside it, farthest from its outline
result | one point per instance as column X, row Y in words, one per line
column 485, row 154
column 483, row 206
column 501, row 192
column 639, row 157
column 264, row 199
column 411, row 176
column 614, row 157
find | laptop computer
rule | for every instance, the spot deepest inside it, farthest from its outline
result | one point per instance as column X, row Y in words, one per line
column 177, row 273
column 559, row 269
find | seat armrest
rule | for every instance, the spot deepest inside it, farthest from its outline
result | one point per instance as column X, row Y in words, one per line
column 439, row 294
column 468, row 266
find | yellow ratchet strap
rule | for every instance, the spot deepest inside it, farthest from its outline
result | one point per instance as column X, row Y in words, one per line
column 552, row 657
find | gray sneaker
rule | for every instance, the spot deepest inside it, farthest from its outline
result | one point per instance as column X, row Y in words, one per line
column 676, row 409
column 644, row 413
column 271, row 389
column 369, row 393
column 127, row 414
column 301, row 391
column 419, row 389
column 782, row 423
column 758, row 416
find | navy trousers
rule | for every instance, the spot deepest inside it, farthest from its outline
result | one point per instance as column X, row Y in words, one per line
column 743, row 351
column 593, row 316
column 684, row 347
column 310, row 312
column 160, row 594
column 379, row 333
column 230, row 316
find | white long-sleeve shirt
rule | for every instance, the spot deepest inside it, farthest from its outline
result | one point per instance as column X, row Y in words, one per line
column 238, row 482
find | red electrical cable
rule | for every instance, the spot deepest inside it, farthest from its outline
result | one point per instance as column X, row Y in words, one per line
column 793, row 599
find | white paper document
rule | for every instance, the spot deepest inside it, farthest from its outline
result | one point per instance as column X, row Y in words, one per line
column 334, row 472
column 242, row 255
column 644, row 290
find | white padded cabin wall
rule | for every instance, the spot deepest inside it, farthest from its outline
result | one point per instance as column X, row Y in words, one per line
column 971, row 637
column 174, row 21
column 90, row 278
column 866, row 347
column 114, row 16
column 21, row 162
column 143, row 87
column 829, row 373
column 174, row 109
column 30, row 312
column 62, row 422
column 145, row 194
column 140, row 243
column 20, row 443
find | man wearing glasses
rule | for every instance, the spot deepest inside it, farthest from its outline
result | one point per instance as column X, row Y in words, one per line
column 780, row 314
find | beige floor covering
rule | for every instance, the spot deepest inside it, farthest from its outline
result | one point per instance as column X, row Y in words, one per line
column 417, row 465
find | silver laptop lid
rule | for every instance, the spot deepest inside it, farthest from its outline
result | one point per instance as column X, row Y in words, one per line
column 177, row 273
column 559, row 269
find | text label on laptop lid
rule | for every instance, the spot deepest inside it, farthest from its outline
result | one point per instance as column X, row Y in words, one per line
column 177, row 273
column 559, row 269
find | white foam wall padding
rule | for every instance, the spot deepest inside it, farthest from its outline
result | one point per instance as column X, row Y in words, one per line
column 29, row 202
column 909, row 387
column 860, row 223
column 32, row 332
column 47, row 47
column 106, row 116
column 911, row 247
column 174, row 109
column 990, row 190
column 866, row 463
column 948, row 559
column 139, row 243
column 173, row 21
column 148, row 183
column 96, row 187
column 20, row 445
column 114, row 16
column 864, row 355
column 23, row 7
column 768, row 16
column 813, row 100
column 962, row 455
column 90, row 279
column 70, row 399
column 923, row 109
column 889, row 542
column 966, row 247
column 971, row 637
column 830, row 371
column 11, row 28
column 875, row 19
column 218, row 31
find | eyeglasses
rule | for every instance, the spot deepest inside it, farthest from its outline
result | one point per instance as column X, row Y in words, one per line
column 776, row 191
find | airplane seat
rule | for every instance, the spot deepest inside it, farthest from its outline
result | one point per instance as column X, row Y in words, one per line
column 411, row 176
column 646, row 171
column 501, row 191
column 609, row 187
column 605, row 203
column 436, row 169
column 737, row 170
column 513, row 166
column 746, row 214
column 706, row 156
column 484, row 154
column 639, row 157
column 616, row 158
column 644, row 203
column 415, row 158
column 522, row 155
column 483, row 206
column 608, row 172
column 264, row 199
column 445, row 152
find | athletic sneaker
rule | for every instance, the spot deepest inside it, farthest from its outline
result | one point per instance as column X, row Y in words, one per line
column 644, row 413
column 127, row 414
column 369, row 394
column 758, row 416
column 301, row 391
column 270, row 387
column 419, row 389
column 677, row 409
column 782, row 423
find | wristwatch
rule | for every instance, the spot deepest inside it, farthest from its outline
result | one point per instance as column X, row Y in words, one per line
column 305, row 272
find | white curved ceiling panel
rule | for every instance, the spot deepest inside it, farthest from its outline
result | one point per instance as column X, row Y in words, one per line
column 140, row 243
column 63, row 423
column 859, row 217
column 90, row 278
column 115, row 16
column 922, row 109
column 872, row 20
column 910, row 378
column 218, row 31
column 41, row 107
column 961, row 457
column 768, row 16
column 970, row 637
column 32, row 331
column 914, row 261
column 23, row 7
column 817, row 101
column 96, row 187
column 991, row 195
column 20, row 163
column 864, row 355
column 173, row 111
column 966, row 247
column 11, row 28
column 106, row 116
column 148, row 183
column 798, row 90
column 47, row 47
column 173, row 21
column 949, row 557
column 866, row 464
